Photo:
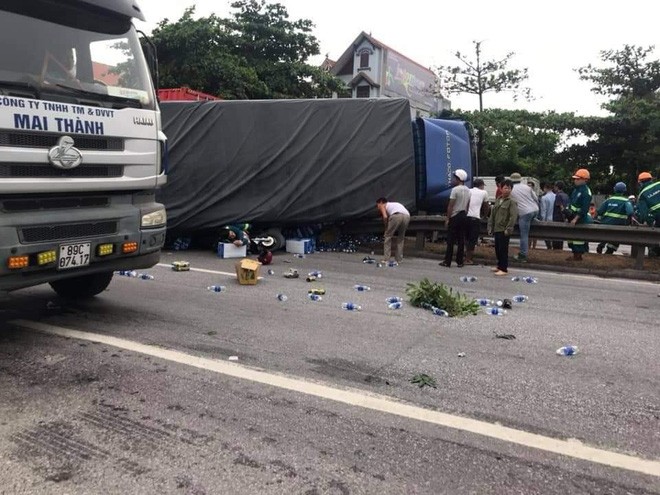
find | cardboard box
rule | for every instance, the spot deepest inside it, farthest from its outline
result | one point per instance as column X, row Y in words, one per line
column 299, row 246
column 228, row 250
column 247, row 271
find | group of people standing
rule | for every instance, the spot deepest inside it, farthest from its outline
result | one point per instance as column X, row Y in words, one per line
column 517, row 204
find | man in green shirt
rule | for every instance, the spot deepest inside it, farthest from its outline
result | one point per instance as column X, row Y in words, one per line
column 578, row 207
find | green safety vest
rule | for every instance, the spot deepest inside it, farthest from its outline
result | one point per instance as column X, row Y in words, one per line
column 614, row 210
column 649, row 200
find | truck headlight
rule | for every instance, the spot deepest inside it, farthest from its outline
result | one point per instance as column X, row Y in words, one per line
column 156, row 218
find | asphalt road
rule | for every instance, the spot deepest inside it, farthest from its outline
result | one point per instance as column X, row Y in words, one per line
column 135, row 392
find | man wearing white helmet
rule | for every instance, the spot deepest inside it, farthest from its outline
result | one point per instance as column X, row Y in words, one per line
column 459, row 201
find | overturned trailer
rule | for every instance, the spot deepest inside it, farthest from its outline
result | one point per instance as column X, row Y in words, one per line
column 278, row 163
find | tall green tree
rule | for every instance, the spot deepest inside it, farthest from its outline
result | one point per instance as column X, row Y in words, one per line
column 255, row 53
column 628, row 141
column 476, row 76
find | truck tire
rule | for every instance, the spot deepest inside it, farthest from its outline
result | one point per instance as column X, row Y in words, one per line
column 82, row 287
column 277, row 235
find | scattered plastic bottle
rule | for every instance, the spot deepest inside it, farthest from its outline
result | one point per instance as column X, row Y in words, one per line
column 128, row 273
column 379, row 265
column 392, row 264
column 485, row 302
column 368, row 260
column 362, row 288
column 145, row 276
column 314, row 297
column 271, row 271
column 495, row 311
column 395, row 305
column 298, row 255
column 393, row 299
column 426, row 305
column 316, row 274
column 282, row 297
column 317, row 290
column 216, row 288
column 349, row 306
column 567, row 350
column 515, row 279
column 519, row 298
column 466, row 278
column 530, row 280
column 439, row 311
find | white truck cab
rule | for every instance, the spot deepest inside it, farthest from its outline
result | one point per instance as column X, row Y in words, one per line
column 81, row 147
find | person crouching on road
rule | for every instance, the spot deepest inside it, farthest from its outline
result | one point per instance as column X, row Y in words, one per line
column 502, row 219
column 615, row 210
column 459, row 202
column 578, row 208
column 396, row 219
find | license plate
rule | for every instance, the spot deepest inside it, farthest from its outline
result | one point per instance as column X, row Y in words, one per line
column 74, row 255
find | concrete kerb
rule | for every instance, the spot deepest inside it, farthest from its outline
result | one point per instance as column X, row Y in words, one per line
column 627, row 273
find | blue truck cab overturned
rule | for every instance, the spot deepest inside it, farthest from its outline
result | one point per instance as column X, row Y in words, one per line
column 81, row 146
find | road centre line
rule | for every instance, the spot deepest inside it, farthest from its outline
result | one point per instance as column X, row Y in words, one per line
column 367, row 400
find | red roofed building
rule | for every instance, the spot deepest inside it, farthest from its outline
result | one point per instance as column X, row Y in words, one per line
column 102, row 73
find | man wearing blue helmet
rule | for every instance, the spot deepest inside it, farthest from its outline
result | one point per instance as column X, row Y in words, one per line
column 616, row 210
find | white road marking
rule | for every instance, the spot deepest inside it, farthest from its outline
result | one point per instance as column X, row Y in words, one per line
column 375, row 402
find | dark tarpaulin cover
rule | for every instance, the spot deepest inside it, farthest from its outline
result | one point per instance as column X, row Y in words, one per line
column 285, row 161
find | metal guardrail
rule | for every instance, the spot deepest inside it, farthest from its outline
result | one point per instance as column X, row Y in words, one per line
column 637, row 237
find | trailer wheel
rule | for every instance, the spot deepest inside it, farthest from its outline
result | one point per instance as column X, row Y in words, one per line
column 82, row 287
column 277, row 236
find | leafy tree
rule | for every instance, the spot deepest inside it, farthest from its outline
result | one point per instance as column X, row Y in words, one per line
column 475, row 76
column 628, row 141
column 256, row 53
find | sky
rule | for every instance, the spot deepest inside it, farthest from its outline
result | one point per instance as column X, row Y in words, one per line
column 550, row 39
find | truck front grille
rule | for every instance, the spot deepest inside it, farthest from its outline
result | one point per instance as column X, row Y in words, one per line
column 67, row 231
column 52, row 203
column 36, row 171
column 45, row 140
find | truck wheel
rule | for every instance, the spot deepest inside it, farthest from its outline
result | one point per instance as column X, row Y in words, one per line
column 82, row 287
column 277, row 235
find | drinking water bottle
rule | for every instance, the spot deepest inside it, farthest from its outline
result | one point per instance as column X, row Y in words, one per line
column 530, row 280
column 271, row 271
column 439, row 312
column 315, row 274
column 393, row 299
column 495, row 311
column 298, row 255
column 128, row 273
column 520, row 298
column 567, row 350
column 216, row 288
column 395, row 305
column 379, row 265
column 515, row 279
column 466, row 278
column 361, row 288
column 368, row 260
column 315, row 297
column 145, row 276
column 349, row 306
column 282, row 297
column 426, row 305
column 484, row 302
column 392, row 264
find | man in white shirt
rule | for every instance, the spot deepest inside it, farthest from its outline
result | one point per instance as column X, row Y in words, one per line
column 478, row 209
column 528, row 209
column 456, row 222
column 396, row 219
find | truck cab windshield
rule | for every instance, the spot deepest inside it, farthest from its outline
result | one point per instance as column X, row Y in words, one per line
column 64, row 63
